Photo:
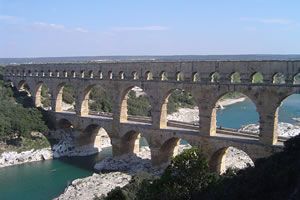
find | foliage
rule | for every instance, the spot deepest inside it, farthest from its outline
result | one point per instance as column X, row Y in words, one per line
column 45, row 96
column 180, row 99
column 15, row 119
column 68, row 94
column 100, row 100
column 138, row 105
column 275, row 177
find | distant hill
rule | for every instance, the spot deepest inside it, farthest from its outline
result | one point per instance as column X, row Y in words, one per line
column 6, row 61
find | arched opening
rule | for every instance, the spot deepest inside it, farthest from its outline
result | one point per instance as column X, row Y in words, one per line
column 64, row 124
column 235, row 112
column 121, row 75
column 57, row 73
column 163, row 76
column 43, row 97
column 235, row 78
column 179, row 76
column 98, row 101
column 135, row 75
column 134, row 143
column 73, row 74
column 289, row 116
column 215, row 77
column 180, row 106
column 24, row 96
column 278, row 78
column 229, row 158
column 171, row 148
column 110, row 75
column 257, row 78
column 95, row 138
column 91, row 74
column 195, row 77
column 297, row 79
column 100, row 75
column 65, row 100
column 65, row 74
column 136, row 106
column 82, row 73
column 148, row 76
column 50, row 73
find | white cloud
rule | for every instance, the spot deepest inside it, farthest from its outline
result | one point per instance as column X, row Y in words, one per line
column 278, row 21
column 10, row 19
column 82, row 30
column 49, row 26
column 141, row 28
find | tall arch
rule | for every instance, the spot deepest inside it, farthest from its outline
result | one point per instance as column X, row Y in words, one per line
column 134, row 101
column 64, row 98
column 244, row 109
column 229, row 157
column 175, row 103
column 42, row 96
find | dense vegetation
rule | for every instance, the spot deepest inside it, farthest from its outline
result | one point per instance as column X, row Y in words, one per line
column 17, row 120
column 188, row 177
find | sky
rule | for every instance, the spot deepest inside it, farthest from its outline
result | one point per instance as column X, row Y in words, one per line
column 34, row 28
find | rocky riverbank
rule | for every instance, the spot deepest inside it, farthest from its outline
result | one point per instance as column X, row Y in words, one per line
column 15, row 158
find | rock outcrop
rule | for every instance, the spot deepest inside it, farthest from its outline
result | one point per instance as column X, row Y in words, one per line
column 93, row 186
column 15, row 158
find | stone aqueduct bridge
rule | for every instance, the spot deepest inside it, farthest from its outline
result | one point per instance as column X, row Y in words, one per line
column 158, row 80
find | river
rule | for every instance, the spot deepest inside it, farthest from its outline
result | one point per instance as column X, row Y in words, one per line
column 47, row 179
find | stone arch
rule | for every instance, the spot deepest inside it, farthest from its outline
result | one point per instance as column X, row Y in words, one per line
column 296, row 79
column 36, row 72
column 57, row 74
column 257, row 78
column 165, row 108
column 278, row 78
column 163, row 76
column 73, row 74
column 42, row 73
column 91, row 74
column 59, row 98
column 130, row 142
column 121, row 75
column 135, row 75
column 41, row 93
column 235, row 77
column 95, row 137
column 100, row 97
column 100, row 74
column 195, row 77
column 217, row 105
column 148, row 76
column 219, row 162
column 179, row 76
column 110, row 75
column 82, row 74
column 50, row 73
column 29, row 73
column 215, row 77
column 125, row 95
column 64, row 124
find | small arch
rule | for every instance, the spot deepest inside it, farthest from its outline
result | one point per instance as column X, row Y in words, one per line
column 235, row 77
column 57, row 73
column 278, row 78
column 296, row 79
column 179, row 76
column 50, row 73
column 110, row 75
column 82, row 74
column 73, row 74
column 195, row 77
column 64, row 124
column 18, row 73
column 100, row 75
column 65, row 73
column 29, row 73
column 257, row 78
column 95, row 137
column 215, row 77
column 43, row 73
column 91, row 74
column 121, row 75
column 163, row 76
column 36, row 72
column 135, row 75
column 24, row 73
column 229, row 157
column 149, row 76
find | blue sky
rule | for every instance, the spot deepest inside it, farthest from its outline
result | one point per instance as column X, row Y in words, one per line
column 34, row 28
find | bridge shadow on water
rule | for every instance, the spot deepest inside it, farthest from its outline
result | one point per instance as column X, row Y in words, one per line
column 87, row 162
